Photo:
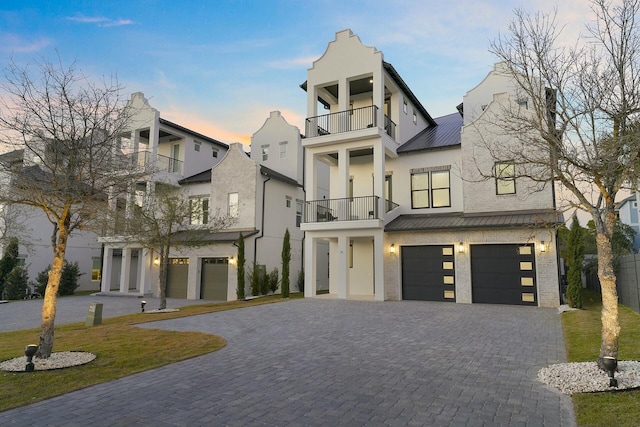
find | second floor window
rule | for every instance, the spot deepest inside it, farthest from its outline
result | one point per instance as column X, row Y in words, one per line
column 505, row 173
column 283, row 150
column 265, row 152
column 430, row 189
column 298, row 213
column 233, row 205
column 199, row 210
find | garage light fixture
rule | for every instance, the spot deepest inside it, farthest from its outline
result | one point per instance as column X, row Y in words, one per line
column 156, row 261
column 232, row 260
column 392, row 249
column 461, row 247
column 543, row 246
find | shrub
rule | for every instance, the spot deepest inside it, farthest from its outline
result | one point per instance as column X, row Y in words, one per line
column 8, row 262
column 286, row 259
column 272, row 281
column 240, row 289
column 256, row 276
column 41, row 281
column 301, row 281
column 16, row 283
column 68, row 280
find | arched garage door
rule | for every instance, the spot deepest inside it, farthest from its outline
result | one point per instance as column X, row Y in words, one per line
column 177, row 277
column 503, row 274
column 428, row 273
column 214, row 279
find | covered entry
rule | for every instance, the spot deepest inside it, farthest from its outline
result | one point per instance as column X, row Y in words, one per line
column 428, row 273
column 214, row 278
column 503, row 274
column 177, row 277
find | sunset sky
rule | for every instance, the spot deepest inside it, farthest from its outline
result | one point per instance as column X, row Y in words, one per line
column 220, row 67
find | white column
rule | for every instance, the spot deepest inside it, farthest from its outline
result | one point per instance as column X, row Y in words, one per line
column 342, row 272
column 107, row 265
column 378, row 176
column 310, row 266
column 145, row 270
column 125, row 270
column 194, row 278
column 378, row 261
column 343, row 94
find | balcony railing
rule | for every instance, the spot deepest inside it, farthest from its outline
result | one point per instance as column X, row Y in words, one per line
column 142, row 160
column 346, row 121
column 347, row 209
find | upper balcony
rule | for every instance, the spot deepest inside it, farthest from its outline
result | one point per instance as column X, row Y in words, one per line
column 348, row 121
column 142, row 160
column 345, row 209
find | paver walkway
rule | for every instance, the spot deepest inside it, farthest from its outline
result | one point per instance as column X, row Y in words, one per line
column 329, row 362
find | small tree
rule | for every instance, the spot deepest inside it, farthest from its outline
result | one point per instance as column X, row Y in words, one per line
column 8, row 262
column 69, row 280
column 272, row 280
column 286, row 259
column 256, row 277
column 41, row 280
column 575, row 257
column 16, row 283
column 241, row 260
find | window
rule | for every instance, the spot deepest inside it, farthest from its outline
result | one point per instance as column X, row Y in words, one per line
column 265, row 152
column 298, row 212
column 415, row 117
column 198, row 210
column 405, row 106
column 430, row 188
column 420, row 190
column 505, row 173
column 196, row 146
column 95, row 270
column 288, row 201
column 233, row 205
column 215, row 153
column 283, row 149
column 524, row 103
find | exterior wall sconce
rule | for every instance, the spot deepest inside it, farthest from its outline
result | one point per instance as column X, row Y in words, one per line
column 392, row 249
column 461, row 247
column 156, row 261
column 232, row 260
column 543, row 246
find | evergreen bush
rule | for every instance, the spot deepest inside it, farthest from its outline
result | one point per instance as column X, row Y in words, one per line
column 16, row 283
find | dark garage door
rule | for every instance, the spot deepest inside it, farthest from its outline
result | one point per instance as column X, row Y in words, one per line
column 428, row 273
column 177, row 277
column 503, row 274
column 214, row 279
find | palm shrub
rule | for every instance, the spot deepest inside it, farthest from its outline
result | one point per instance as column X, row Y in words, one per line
column 286, row 259
column 16, row 283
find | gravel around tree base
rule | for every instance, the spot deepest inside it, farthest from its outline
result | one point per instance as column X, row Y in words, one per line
column 584, row 377
column 62, row 359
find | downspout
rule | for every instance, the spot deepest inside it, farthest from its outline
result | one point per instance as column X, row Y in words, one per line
column 304, row 203
column 255, row 241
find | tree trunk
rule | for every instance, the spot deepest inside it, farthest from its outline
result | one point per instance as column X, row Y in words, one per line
column 607, row 276
column 45, row 346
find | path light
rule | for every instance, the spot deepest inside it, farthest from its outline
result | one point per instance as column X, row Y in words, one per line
column 29, row 351
column 610, row 364
column 142, row 304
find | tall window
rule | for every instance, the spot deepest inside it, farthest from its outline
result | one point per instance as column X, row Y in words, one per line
column 233, row 205
column 298, row 213
column 95, row 269
column 505, row 173
column 405, row 106
column 430, row 189
column 283, row 149
column 199, row 210
column 265, row 152
column 415, row 117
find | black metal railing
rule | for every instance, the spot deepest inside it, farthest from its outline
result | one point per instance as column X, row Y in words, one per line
column 390, row 127
column 346, row 121
column 347, row 209
column 141, row 160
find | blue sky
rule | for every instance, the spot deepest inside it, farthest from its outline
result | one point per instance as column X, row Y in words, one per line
column 220, row 67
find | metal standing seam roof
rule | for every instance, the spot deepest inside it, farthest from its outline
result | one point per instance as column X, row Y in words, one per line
column 192, row 133
column 445, row 134
column 461, row 221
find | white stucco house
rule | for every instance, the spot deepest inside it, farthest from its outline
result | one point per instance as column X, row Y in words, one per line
column 411, row 214
column 629, row 214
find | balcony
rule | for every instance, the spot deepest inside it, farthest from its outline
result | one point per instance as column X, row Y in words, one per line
column 347, row 209
column 141, row 160
column 347, row 121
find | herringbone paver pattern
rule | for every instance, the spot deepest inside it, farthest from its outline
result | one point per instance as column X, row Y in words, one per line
column 328, row 362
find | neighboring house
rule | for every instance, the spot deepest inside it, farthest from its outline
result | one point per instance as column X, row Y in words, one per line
column 407, row 216
column 263, row 192
column 33, row 230
column 628, row 213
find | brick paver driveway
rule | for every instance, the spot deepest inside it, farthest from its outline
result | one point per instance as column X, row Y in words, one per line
column 328, row 362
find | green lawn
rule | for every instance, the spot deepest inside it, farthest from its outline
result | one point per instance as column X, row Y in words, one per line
column 121, row 349
column 582, row 337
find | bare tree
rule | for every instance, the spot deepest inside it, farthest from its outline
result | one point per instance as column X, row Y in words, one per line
column 168, row 218
column 580, row 127
column 69, row 127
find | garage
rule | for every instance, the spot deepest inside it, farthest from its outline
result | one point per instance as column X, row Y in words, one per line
column 503, row 274
column 213, row 285
column 177, row 277
column 428, row 273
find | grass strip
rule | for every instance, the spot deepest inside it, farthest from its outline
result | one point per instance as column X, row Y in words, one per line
column 582, row 337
